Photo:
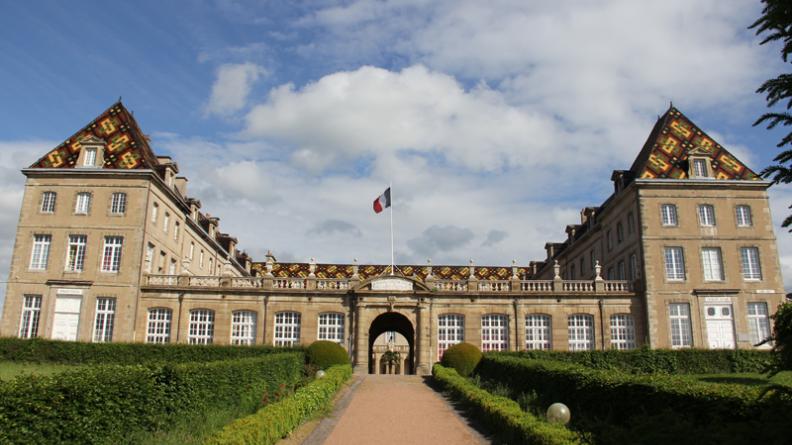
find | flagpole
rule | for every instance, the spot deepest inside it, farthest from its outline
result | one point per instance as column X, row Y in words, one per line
column 393, row 267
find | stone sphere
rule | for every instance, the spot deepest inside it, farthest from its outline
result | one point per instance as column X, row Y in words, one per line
column 558, row 413
column 320, row 374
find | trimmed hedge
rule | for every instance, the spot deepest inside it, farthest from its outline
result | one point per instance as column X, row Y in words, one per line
column 52, row 351
column 666, row 361
column 501, row 415
column 273, row 422
column 104, row 404
column 324, row 354
column 603, row 400
column 463, row 357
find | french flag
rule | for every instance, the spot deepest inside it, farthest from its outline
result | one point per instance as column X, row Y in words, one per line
column 383, row 202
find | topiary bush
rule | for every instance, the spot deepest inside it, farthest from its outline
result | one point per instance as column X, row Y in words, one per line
column 324, row 354
column 782, row 336
column 463, row 357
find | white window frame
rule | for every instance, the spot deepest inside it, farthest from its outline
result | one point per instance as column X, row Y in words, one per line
column 150, row 248
column 104, row 319
column 581, row 332
column 30, row 317
column 48, row 202
column 82, row 205
column 192, row 250
column 494, row 332
column 158, row 326
column 669, row 215
column 243, row 327
column 706, row 213
column 111, row 253
column 201, row 327
column 172, row 267
column 154, row 213
column 758, row 322
column 450, row 331
column 538, row 332
column 331, row 327
column 90, row 156
column 176, row 227
column 674, row 260
column 165, row 222
column 700, row 168
column 286, row 329
column 750, row 263
column 39, row 253
column 622, row 330
column 75, row 253
column 743, row 215
column 712, row 263
column 118, row 202
column 681, row 328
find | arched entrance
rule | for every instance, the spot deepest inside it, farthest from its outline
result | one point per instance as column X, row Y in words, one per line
column 391, row 322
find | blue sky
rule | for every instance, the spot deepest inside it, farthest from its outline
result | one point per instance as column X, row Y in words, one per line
column 496, row 121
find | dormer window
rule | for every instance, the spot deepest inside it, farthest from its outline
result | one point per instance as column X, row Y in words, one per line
column 89, row 158
column 700, row 168
column 91, row 155
column 699, row 164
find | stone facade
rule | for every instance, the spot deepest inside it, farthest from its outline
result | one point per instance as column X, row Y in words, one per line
column 157, row 269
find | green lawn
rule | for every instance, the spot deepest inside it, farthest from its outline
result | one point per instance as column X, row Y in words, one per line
column 9, row 370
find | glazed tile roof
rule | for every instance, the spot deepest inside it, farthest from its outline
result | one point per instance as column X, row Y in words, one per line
column 125, row 145
column 366, row 271
column 665, row 154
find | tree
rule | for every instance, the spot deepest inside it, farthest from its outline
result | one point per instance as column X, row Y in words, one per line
column 775, row 24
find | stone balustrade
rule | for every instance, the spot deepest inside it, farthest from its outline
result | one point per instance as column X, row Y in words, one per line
column 513, row 286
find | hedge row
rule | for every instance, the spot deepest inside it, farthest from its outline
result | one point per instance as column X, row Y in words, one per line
column 606, row 399
column 276, row 420
column 104, row 404
column 53, row 351
column 652, row 361
column 501, row 415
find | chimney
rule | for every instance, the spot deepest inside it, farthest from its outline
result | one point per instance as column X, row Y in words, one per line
column 195, row 206
column 180, row 182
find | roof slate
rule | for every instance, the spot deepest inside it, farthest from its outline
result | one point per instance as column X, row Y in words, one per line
column 366, row 271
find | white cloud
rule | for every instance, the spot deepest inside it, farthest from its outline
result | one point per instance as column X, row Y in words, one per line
column 231, row 88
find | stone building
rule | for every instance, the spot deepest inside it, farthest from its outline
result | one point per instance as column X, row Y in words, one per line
column 109, row 247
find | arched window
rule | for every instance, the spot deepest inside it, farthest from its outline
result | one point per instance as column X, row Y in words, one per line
column 287, row 329
column 581, row 332
column 494, row 332
column 243, row 328
column 537, row 331
column 159, row 325
column 331, row 327
column 622, row 329
column 201, row 331
column 450, row 331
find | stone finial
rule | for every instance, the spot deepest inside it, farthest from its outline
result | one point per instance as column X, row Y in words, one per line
column 428, row 267
column 472, row 269
column 597, row 271
column 556, row 270
column 355, row 273
column 514, row 270
column 312, row 267
column 270, row 262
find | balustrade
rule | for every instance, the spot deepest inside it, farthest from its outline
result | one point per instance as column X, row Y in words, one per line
column 578, row 286
column 451, row 285
column 332, row 284
column 536, row 285
column 494, row 286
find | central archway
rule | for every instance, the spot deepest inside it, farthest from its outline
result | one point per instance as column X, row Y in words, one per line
column 392, row 322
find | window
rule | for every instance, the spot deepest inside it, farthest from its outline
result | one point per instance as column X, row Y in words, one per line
column 83, row 204
column 622, row 329
column 582, row 265
column 201, row 330
column 31, row 309
column 149, row 256
column 211, row 265
column 621, row 274
column 118, row 203
column 172, row 267
column 609, row 238
column 537, row 331
column 674, row 264
column 450, row 331
column 89, row 160
column 494, row 333
column 633, row 267
column 706, row 215
column 581, row 332
column 243, row 328
column 744, row 216
column 287, row 328
column 591, row 259
column 630, row 223
column 75, row 255
column 176, row 228
column 166, row 222
column 681, row 331
column 111, row 258
column 572, row 272
column 192, row 250
column 154, row 213
column 48, row 202
column 669, row 214
column 331, row 327
column 201, row 259
column 751, row 267
column 611, row 275
column 619, row 233
column 700, row 168
column 39, row 257
column 105, row 317
column 163, row 259
column 758, row 322
column 159, row 325
column 712, row 263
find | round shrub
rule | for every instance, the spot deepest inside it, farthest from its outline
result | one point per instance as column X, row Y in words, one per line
column 324, row 354
column 463, row 357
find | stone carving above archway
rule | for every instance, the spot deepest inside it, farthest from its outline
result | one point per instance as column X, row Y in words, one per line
column 392, row 283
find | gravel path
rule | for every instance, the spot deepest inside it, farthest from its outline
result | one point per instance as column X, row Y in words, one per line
column 387, row 409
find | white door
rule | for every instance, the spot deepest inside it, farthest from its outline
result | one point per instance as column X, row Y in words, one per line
column 67, row 318
column 720, row 326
